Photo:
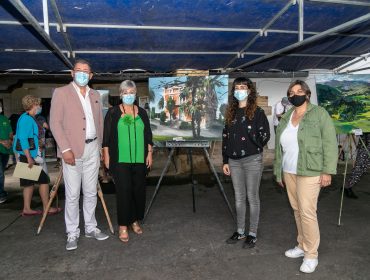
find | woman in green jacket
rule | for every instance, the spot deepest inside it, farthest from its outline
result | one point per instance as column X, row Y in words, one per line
column 306, row 154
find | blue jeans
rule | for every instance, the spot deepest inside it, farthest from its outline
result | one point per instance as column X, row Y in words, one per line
column 246, row 177
column 3, row 162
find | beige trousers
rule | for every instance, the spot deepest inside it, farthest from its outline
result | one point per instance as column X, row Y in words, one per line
column 303, row 192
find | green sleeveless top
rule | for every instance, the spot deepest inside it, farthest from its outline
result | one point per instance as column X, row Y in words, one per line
column 130, row 139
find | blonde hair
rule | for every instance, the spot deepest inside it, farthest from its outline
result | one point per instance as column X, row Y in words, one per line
column 29, row 101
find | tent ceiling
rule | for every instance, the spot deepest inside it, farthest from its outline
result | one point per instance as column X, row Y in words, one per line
column 162, row 36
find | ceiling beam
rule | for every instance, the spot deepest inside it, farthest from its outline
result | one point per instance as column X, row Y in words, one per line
column 18, row 5
column 179, row 53
column 345, row 2
column 307, row 41
column 179, row 28
column 262, row 32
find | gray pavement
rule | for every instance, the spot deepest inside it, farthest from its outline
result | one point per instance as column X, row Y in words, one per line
column 180, row 244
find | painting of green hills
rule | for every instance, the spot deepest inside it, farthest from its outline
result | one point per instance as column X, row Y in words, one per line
column 347, row 100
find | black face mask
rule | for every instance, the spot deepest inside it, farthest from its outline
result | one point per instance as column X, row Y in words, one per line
column 297, row 100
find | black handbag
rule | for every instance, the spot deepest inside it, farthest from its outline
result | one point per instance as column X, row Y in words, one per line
column 31, row 143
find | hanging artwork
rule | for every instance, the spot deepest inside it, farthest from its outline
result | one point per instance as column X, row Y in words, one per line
column 191, row 107
column 347, row 100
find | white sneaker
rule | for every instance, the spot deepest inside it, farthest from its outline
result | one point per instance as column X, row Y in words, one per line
column 294, row 253
column 309, row 265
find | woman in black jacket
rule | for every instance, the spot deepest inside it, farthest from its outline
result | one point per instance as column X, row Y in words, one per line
column 128, row 147
column 245, row 134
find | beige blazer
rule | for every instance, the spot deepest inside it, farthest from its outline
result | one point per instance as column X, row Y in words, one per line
column 68, row 122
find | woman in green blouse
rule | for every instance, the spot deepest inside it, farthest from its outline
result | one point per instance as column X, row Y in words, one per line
column 128, row 147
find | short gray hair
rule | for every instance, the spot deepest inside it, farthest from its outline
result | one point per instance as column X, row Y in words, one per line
column 126, row 84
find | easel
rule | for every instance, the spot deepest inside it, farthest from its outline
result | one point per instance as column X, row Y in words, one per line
column 348, row 140
column 53, row 194
column 189, row 145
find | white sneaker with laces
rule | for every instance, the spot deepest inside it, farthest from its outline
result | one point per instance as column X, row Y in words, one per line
column 309, row 265
column 294, row 253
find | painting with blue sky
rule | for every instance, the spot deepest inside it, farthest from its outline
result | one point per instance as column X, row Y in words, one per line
column 347, row 100
column 191, row 107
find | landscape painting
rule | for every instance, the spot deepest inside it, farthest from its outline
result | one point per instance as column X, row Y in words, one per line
column 347, row 100
column 190, row 107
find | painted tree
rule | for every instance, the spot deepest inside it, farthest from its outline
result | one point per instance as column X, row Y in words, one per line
column 170, row 106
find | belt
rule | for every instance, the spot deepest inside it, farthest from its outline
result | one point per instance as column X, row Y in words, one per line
column 87, row 141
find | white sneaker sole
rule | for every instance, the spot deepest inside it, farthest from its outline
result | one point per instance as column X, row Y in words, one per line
column 71, row 248
column 99, row 239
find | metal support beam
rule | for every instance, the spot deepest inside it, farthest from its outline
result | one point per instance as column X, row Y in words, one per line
column 345, row 2
column 60, row 22
column 18, row 5
column 351, row 63
column 307, row 41
column 45, row 13
column 300, row 18
column 180, row 28
column 263, row 30
column 182, row 53
column 356, row 70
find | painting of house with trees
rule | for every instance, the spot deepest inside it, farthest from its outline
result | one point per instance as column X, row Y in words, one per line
column 192, row 107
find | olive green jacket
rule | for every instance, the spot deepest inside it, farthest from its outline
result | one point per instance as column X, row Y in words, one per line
column 318, row 148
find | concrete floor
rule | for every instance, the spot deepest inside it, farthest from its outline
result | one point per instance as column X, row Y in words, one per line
column 180, row 244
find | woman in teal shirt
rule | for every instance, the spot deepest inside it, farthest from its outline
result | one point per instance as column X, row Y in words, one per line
column 128, row 147
column 305, row 158
column 26, row 144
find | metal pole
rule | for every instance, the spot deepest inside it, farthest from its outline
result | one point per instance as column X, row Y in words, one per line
column 345, row 2
column 45, row 12
column 307, row 41
column 60, row 22
column 18, row 5
column 301, row 17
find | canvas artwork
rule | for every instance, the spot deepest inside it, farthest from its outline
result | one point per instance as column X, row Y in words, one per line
column 347, row 100
column 191, row 107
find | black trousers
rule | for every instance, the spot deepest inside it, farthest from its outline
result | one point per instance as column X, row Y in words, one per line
column 129, row 179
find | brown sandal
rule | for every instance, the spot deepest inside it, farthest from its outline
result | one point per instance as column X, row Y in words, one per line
column 136, row 228
column 123, row 235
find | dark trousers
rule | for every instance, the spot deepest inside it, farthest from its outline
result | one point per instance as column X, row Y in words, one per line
column 3, row 163
column 129, row 180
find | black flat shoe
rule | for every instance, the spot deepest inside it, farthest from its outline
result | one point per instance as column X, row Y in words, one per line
column 350, row 193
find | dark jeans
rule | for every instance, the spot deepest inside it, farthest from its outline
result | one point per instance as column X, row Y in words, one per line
column 3, row 162
column 129, row 180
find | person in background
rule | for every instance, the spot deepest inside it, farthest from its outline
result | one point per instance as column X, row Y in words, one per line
column 128, row 149
column 306, row 154
column 6, row 138
column 280, row 109
column 26, row 144
column 76, row 121
column 43, row 127
column 245, row 134
column 362, row 164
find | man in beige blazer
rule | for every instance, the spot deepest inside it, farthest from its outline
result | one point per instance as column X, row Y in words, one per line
column 76, row 122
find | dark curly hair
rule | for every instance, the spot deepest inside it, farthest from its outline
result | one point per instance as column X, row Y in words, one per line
column 234, row 103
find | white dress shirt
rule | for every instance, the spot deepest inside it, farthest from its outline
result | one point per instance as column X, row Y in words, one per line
column 86, row 105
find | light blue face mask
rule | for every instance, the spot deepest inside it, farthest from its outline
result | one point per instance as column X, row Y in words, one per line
column 128, row 99
column 38, row 111
column 81, row 78
column 241, row 94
